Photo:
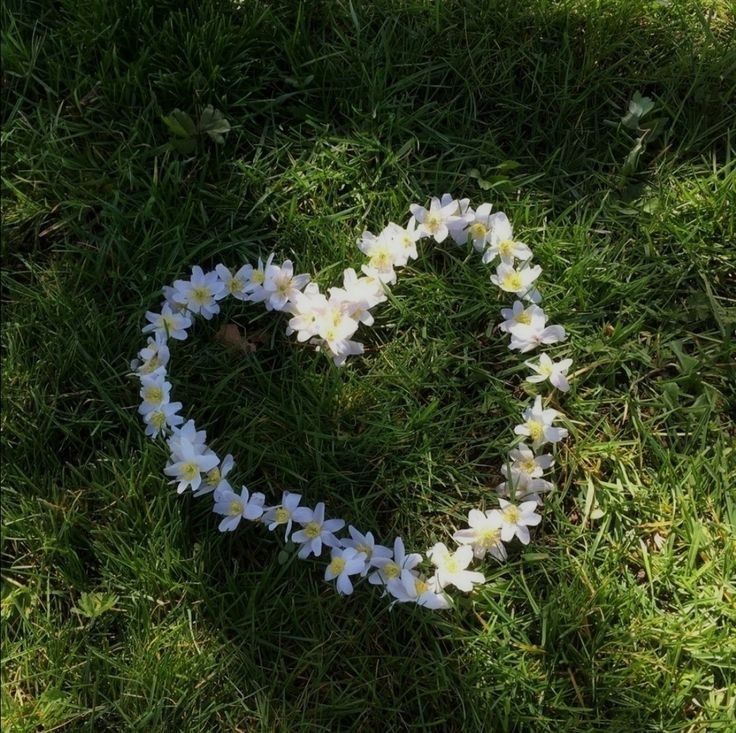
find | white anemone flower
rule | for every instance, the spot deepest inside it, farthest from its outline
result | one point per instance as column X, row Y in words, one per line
column 384, row 251
column 344, row 563
column 155, row 391
column 537, row 425
column 235, row 508
column 283, row 514
column 437, row 221
column 162, row 419
column 412, row 587
column 168, row 323
column 502, row 243
column 520, row 315
column 235, row 283
column 516, row 520
column 306, row 307
column 451, row 567
column 483, row 534
column 154, row 355
column 255, row 292
column 191, row 464
column 317, row 530
column 524, row 473
column 515, row 281
column 282, row 284
column 214, row 480
column 390, row 568
column 201, row 292
column 188, row 431
column 463, row 217
column 556, row 372
column 366, row 544
column 480, row 227
column 527, row 338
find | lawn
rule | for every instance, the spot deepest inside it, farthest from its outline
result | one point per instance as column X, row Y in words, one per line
column 123, row 607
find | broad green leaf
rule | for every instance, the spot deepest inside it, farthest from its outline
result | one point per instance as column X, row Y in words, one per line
column 214, row 124
column 180, row 124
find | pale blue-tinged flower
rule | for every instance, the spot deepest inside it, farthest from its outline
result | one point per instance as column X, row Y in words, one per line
column 555, row 371
column 234, row 508
column 538, row 426
column 516, row 520
column 168, row 323
column 316, row 530
column 451, row 567
column 344, row 562
column 483, row 534
column 283, row 514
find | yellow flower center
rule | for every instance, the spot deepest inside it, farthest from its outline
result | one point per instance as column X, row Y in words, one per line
column 478, row 230
column 381, row 259
column 214, row 476
column 154, row 394
column 391, row 570
column 151, row 365
column 528, row 465
column 200, row 295
column 488, row 537
column 450, row 565
column 190, row 471
column 234, row 285
column 511, row 514
column 512, row 281
column 235, row 508
column 313, row 530
column 258, row 277
column 420, row 586
column 524, row 317
column 536, row 431
column 337, row 565
column 168, row 322
column 432, row 223
column 545, row 369
column 362, row 547
column 158, row 420
column 506, row 248
column 282, row 515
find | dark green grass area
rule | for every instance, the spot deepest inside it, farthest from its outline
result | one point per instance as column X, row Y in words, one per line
column 123, row 608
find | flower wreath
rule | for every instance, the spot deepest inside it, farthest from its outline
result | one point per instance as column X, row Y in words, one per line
column 329, row 321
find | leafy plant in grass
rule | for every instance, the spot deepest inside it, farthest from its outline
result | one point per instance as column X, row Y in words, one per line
column 185, row 133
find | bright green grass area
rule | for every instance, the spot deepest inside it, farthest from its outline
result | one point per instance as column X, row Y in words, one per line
column 123, row 608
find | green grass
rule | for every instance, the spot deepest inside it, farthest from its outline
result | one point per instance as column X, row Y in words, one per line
column 342, row 114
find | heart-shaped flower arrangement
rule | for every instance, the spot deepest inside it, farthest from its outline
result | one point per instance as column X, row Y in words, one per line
column 329, row 321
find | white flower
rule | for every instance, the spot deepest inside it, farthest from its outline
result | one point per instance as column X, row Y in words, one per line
column 515, row 281
column 412, row 587
column 305, row 308
column 254, row 289
column 343, row 564
column 236, row 507
column 556, row 372
column 335, row 327
column 155, row 391
column 358, row 296
column 384, row 251
column 502, row 243
column 524, row 474
column 275, row 516
column 201, row 292
column 188, row 431
column 538, row 425
column 162, row 418
column 519, row 315
column 280, row 283
column 407, row 238
column 483, row 534
column 526, row 338
column 171, row 296
column 438, row 219
column 190, row 466
column 389, row 568
column 480, row 227
column 168, row 323
column 463, row 217
column 317, row 530
column 235, row 284
column 515, row 520
column 367, row 545
column 451, row 567
column 214, row 480
column 152, row 356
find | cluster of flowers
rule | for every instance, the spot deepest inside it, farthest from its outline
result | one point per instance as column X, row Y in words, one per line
column 329, row 321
